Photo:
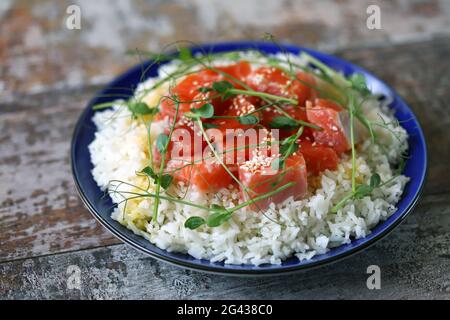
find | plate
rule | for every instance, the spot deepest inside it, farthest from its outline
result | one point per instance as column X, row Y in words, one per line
column 101, row 207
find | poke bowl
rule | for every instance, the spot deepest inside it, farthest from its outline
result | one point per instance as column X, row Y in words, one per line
column 342, row 162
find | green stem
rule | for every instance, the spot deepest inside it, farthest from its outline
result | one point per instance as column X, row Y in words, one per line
column 341, row 203
column 104, row 105
column 352, row 141
column 297, row 135
column 324, row 68
column 307, row 124
column 161, row 168
column 151, row 195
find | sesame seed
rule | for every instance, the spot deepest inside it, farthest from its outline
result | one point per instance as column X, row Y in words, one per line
column 258, row 161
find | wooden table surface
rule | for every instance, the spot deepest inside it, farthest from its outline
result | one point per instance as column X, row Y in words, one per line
column 48, row 73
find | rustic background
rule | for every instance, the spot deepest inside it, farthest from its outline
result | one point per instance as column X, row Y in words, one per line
column 48, row 73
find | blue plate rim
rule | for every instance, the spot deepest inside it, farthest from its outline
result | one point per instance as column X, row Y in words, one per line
column 275, row 269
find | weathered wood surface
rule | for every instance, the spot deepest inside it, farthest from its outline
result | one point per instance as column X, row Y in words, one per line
column 39, row 53
column 414, row 262
column 48, row 73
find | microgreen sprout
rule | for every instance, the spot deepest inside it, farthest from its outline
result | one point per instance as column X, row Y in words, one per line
column 165, row 180
column 162, row 144
column 206, row 111
column 248, row 119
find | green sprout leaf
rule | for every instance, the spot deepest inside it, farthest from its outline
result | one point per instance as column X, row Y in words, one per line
column 362, row 191
column 185, row 54
column 140, row 109
column 205, row 111
column 149, row 171
column 194, row 222
column 204, row 89
column 358, row 82
column 248, row 119
column 287, row 149
column 217, row 219
column 281, row 122
column 277, row 163
column 218, row 208
column 226, row 95
column 291, row 139
column 161, row 142
column 218, row 215
column 375, row 180
column 166, row 180
column 210, row 125
column 222, row 86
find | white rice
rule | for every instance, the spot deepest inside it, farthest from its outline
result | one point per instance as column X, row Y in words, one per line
column 303, row 228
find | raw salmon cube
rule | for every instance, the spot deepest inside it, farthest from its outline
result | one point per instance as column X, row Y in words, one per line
column 258, row 177
column 318, row 158
column 331, row 118
column 206, row 176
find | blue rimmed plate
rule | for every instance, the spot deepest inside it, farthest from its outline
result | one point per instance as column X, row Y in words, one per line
column 100, row 207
